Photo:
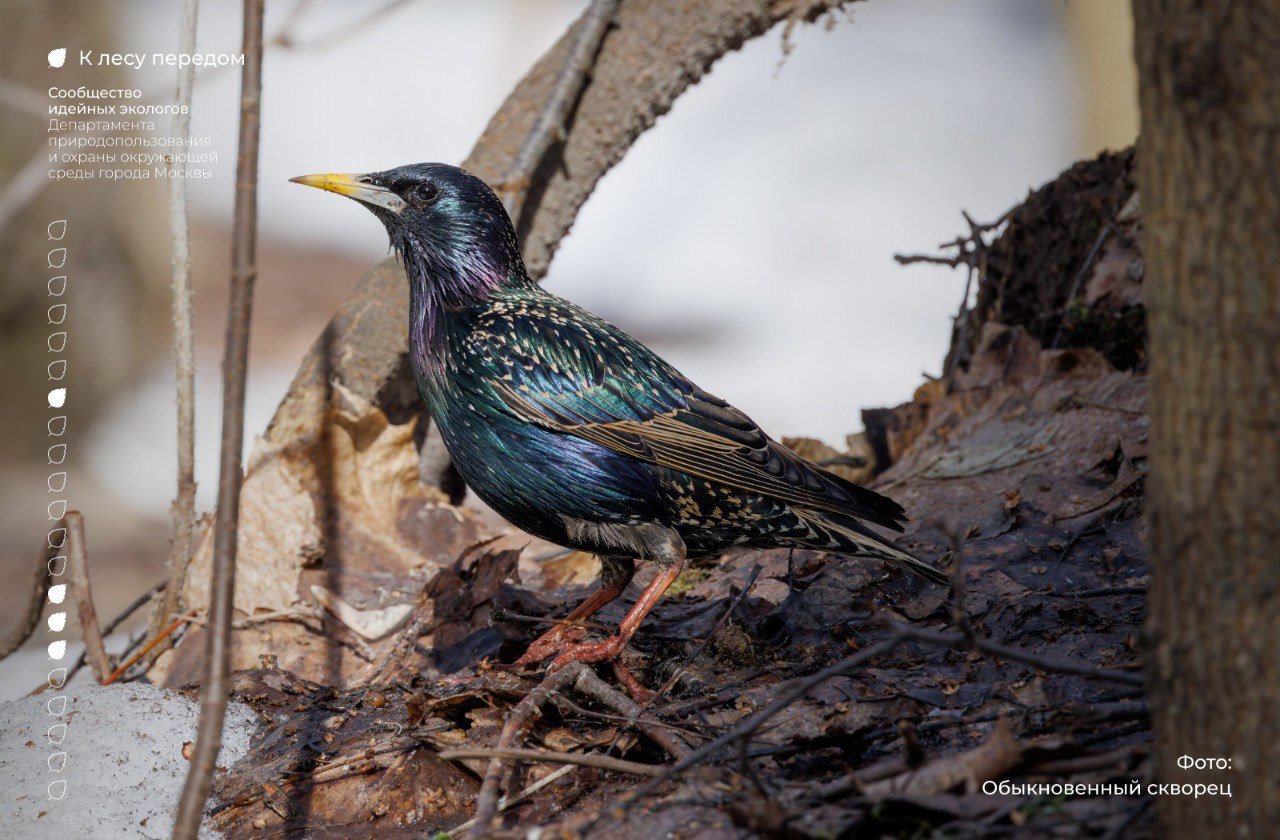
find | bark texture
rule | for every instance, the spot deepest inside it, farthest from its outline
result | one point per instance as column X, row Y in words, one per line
column 1210, row 98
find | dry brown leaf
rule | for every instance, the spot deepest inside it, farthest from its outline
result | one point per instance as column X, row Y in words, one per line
column 348, row 490
column 278, row 533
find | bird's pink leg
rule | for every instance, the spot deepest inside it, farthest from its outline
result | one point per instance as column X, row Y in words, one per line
column 611, row 647
column 629, row 681
column 549, row 644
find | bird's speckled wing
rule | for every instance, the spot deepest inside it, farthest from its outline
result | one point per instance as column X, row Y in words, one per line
column 558, row 366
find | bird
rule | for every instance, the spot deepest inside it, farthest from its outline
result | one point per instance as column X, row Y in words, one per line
column 579, row 434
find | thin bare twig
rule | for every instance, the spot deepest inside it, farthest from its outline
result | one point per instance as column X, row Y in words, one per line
column 133, row 607
column 597, row 689
column 182, row 513
column 78, row 574
column 501, row 615
column 581, row 678
column 971, row 252
column 968, row 248
column 296, row 614
column 853, row 782
column 1079, row 279
column 511, row 801
column 107, row 630
column 600, row 762
column 1045, row 663
column 606, row 717
column 124, row 666
column 550, row 126
column 213, row 692
column 30, row 618
column 553, row 683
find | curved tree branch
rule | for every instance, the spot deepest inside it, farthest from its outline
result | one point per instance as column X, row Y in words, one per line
column 29, row 619
column 654, row 51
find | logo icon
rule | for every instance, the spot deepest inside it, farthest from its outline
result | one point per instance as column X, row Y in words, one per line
column 57, row 57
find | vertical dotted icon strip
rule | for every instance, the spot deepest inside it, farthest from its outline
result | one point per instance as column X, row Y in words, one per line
column 56, row 457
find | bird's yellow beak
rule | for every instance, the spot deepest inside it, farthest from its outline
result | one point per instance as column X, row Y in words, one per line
column 354, row 186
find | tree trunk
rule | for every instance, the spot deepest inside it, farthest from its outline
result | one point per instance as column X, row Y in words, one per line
column 1208, row 157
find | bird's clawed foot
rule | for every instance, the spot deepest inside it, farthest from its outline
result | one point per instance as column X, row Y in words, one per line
column 609, row 650
column 565, row 644
column 548, row 645
column 633, row 686
column 590, row 652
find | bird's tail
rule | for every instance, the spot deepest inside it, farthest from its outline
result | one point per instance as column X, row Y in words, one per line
column 852, row 537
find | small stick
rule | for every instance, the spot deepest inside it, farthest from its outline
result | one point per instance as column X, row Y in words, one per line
column 745, row 729
column 107, row 631
column 549, row 126
column 600, row 762
column 78, row 567
column 512, row 801
column 487, row 801
column 1044, row 663
column 182, row 512
column 606, row 717
column 30, row 618
column 597, row 689
column 142, row 651
column 244, row 272
column 296, row 614
column 504, row 616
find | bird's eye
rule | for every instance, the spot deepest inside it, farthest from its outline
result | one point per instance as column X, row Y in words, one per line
column 420, row 195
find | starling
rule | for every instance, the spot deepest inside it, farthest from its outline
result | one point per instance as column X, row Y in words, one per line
column 579, row 434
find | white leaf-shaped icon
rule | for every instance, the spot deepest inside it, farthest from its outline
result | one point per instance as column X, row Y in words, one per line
column 57, row 57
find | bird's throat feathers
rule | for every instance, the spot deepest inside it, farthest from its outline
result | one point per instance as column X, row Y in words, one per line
column 445, row 280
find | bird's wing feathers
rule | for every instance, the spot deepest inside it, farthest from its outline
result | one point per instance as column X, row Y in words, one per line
column 582, row 376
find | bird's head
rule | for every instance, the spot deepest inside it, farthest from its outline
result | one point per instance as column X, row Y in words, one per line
column 450, row 230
